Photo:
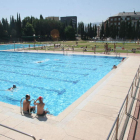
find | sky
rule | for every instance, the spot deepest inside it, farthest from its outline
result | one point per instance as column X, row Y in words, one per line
column 85, row 10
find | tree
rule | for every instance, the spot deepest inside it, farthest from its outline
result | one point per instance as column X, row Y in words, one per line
column 138, row 30
column 90, row 31
column 1, row 31
column 41, row 17
column 82, row 31
column 102, row 31
column 107, row 30
column 13, row 33
column 95, row 30
column 133, row 32
column 130, row 30
column 126, row 29
column 122, row 30
column 29, row 30
column 70, row 33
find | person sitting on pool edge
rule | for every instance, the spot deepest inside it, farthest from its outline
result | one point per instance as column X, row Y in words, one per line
column 11, row 88
column 114, row 67
column 40, row 107
column 123, row 59
column 26, row 105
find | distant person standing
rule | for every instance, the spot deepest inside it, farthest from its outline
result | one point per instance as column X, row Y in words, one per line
column 114, row 47
column 106, row 48
column 95, row 49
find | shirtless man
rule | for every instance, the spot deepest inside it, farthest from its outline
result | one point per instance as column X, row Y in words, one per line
column 26, row 105
column 40, row 107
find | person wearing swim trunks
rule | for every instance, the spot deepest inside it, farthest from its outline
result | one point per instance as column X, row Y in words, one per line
column 40, row 107
column 26, row 105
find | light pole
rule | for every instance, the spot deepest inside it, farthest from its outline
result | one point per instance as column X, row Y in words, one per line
column 14, row 45
column 34, row 40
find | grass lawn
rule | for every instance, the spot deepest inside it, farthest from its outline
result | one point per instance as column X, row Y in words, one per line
column 100, row 46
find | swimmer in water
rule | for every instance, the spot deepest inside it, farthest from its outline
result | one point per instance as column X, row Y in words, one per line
column 12, row 88
column 114, row 67
column 39, row 62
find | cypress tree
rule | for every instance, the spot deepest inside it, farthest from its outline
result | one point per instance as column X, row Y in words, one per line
column 107, row 30
column 102, row 31
column 138, row 30
column 95, row 30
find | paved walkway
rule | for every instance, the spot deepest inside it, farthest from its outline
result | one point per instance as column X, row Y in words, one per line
column 89, row 118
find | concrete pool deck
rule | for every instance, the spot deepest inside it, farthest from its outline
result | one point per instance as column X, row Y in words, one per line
column 89, row 118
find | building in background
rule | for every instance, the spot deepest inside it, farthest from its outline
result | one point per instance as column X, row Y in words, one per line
column 67, row 20
column 53, row 18
column 124, row 16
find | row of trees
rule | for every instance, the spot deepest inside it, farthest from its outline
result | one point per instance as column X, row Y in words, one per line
column 125, row 31
column 43, row 29
column 87, row 32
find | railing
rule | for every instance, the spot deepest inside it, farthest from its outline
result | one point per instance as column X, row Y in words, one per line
column 18, row 131
column 117, row 53
column 118, row 129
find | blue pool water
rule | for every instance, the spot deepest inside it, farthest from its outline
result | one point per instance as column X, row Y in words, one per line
column 60, row 79
column 17, row 46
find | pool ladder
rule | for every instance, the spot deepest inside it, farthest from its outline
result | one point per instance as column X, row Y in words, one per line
column 21, row 103
column 117, row 53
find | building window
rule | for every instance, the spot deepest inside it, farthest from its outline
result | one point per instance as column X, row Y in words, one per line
column 111, row 23
column 119, row 28
column 119, row 18
column 114, row 23
column 128, row 18
column 123, row 18
column 111, row 19
column 115, row 19
column 118, row 23
column 132, row 18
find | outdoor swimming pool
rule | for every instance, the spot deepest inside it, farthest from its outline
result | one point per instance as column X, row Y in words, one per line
column 60, row 79
column 18, row 46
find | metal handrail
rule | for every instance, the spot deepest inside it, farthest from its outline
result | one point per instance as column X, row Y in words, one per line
column 115, row 122
column 21, row 104
column 18, row 131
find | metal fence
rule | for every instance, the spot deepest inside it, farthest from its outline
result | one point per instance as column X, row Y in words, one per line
column 118, row 129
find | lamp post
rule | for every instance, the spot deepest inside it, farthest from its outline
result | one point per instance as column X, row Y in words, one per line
column 14, row 45
column 34, row 40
